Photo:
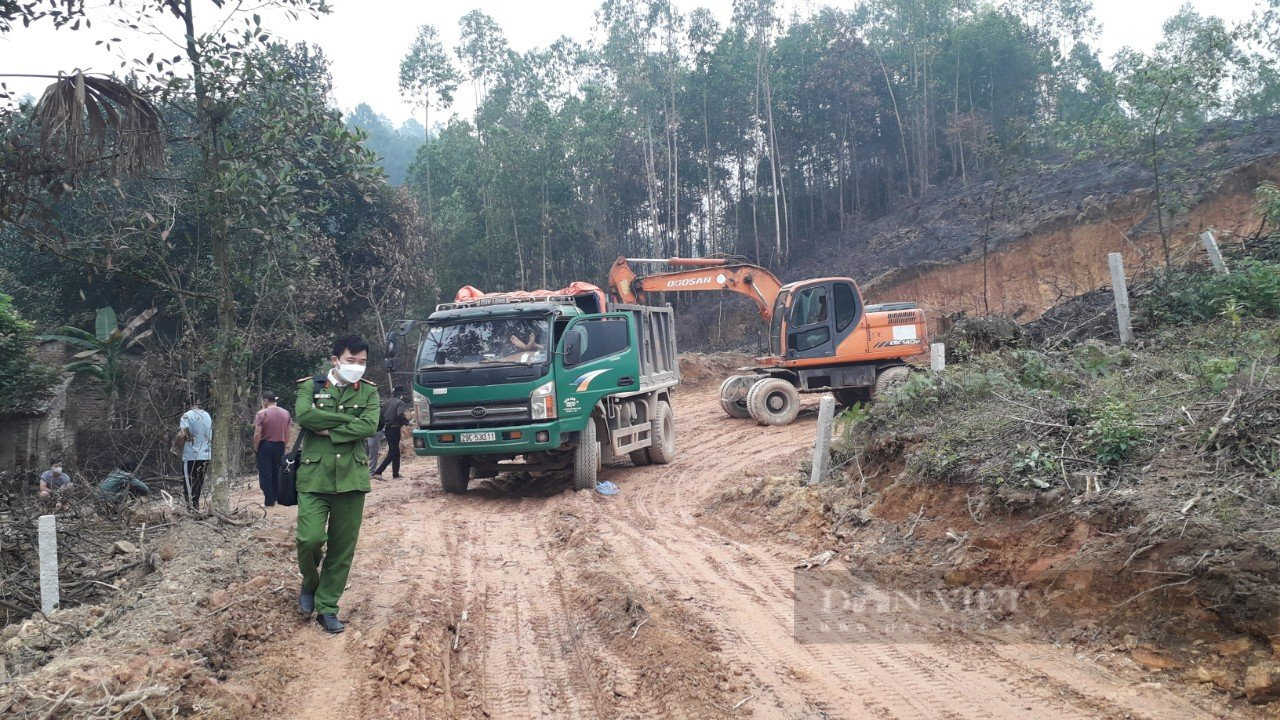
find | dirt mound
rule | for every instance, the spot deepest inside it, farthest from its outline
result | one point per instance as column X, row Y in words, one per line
column 1088, row 316
column 164, row 642
column 698, row 369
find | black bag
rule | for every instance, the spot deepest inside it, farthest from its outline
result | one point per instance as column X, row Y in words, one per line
column 287, row 481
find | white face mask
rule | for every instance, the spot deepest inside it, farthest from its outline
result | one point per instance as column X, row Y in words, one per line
column 350, row 372
column 57, row 469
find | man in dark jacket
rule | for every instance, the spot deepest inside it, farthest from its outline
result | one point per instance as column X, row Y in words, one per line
column 394, row 411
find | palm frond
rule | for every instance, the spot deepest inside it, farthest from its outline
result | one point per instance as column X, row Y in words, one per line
column 71, row 338
column 81, row 112
column 142, row 317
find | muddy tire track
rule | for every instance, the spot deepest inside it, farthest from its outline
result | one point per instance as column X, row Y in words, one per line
column 637, row 606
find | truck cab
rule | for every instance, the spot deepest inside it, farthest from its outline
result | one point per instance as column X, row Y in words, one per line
column 543, row 384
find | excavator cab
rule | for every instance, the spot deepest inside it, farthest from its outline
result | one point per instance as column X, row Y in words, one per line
column 814, row 317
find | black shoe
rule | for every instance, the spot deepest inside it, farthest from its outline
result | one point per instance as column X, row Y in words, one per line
column 306, row 602
column 396, row 477
column 330, row 623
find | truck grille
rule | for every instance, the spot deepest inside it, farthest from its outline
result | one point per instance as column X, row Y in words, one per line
column 479, row 414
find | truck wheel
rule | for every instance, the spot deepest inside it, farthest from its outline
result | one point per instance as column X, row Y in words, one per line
column 734, row 408
column 663, row 449
column 852, row 396
column 455, row 473
column 640, row 457
column 891, row 377
column 773, row 401
column 586, row 459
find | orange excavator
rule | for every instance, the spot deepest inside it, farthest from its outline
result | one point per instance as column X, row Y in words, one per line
column 822, row 336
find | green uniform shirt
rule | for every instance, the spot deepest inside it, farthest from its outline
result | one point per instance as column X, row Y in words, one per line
column 336, row 463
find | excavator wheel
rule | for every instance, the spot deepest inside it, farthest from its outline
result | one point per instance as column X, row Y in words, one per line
column 852, row 396
column 773, row 401
column 734, row 408
column 890, row 378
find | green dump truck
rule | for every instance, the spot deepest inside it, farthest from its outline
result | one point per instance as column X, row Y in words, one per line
column 512, row 383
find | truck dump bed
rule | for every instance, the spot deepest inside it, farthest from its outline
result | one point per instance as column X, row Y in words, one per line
column 659, row 365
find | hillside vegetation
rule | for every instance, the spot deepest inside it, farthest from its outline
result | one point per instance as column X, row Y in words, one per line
column 1128, row 493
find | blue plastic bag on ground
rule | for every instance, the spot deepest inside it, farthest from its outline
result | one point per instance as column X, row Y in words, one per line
column 606, row 488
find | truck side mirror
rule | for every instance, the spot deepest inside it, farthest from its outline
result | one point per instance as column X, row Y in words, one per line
column 391, row 351
column 572, row 347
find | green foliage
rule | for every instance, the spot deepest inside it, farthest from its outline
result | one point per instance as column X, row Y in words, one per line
column 1267, row 197
column 847, row 425
column 1252, row 289
column 1113, row 434
column 851, row 416
column 24, row 381
column 1033, row 369
column 1034, row 460
column 1098, row 360
column 102, row 351
column 1216, row 373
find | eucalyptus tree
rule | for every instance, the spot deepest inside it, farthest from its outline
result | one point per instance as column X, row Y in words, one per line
column 1169, row 95
column 429, row 78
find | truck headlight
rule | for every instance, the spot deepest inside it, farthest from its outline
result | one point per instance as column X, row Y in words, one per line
column 422, row 408
column 542, row 401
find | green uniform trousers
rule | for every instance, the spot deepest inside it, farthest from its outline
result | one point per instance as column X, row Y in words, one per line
column 342, row 513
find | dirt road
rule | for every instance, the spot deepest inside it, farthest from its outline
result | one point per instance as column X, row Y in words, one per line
column 644, row 604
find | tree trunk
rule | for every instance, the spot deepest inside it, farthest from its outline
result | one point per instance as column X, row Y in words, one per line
column 225, row 442
column 710, row 212
column 426, row 151
column 902, row 133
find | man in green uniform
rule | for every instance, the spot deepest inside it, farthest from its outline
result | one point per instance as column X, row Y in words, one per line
column 337, row 411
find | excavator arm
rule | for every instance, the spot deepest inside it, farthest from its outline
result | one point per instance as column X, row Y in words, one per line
column 753, row 281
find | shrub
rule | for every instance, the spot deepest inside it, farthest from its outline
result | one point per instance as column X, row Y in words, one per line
column 1113, row 434
column 24, row 381
column 1251, row 290
column 1033, row 369
column 1268, row 199
column 1216, row 373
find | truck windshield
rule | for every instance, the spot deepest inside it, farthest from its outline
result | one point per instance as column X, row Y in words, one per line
column 501, row 340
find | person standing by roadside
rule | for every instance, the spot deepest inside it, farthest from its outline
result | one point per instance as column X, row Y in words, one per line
column 195, row 432
column 270, row 433
column 394, row 410
column 337, row 411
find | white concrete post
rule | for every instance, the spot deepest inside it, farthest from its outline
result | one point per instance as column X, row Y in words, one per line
column 48, row 532
column 822, row 448
column 1121, row 290
column 938, row 357
column 1215, row 255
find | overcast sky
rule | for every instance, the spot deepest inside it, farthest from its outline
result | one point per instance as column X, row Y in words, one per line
column 365, row 39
